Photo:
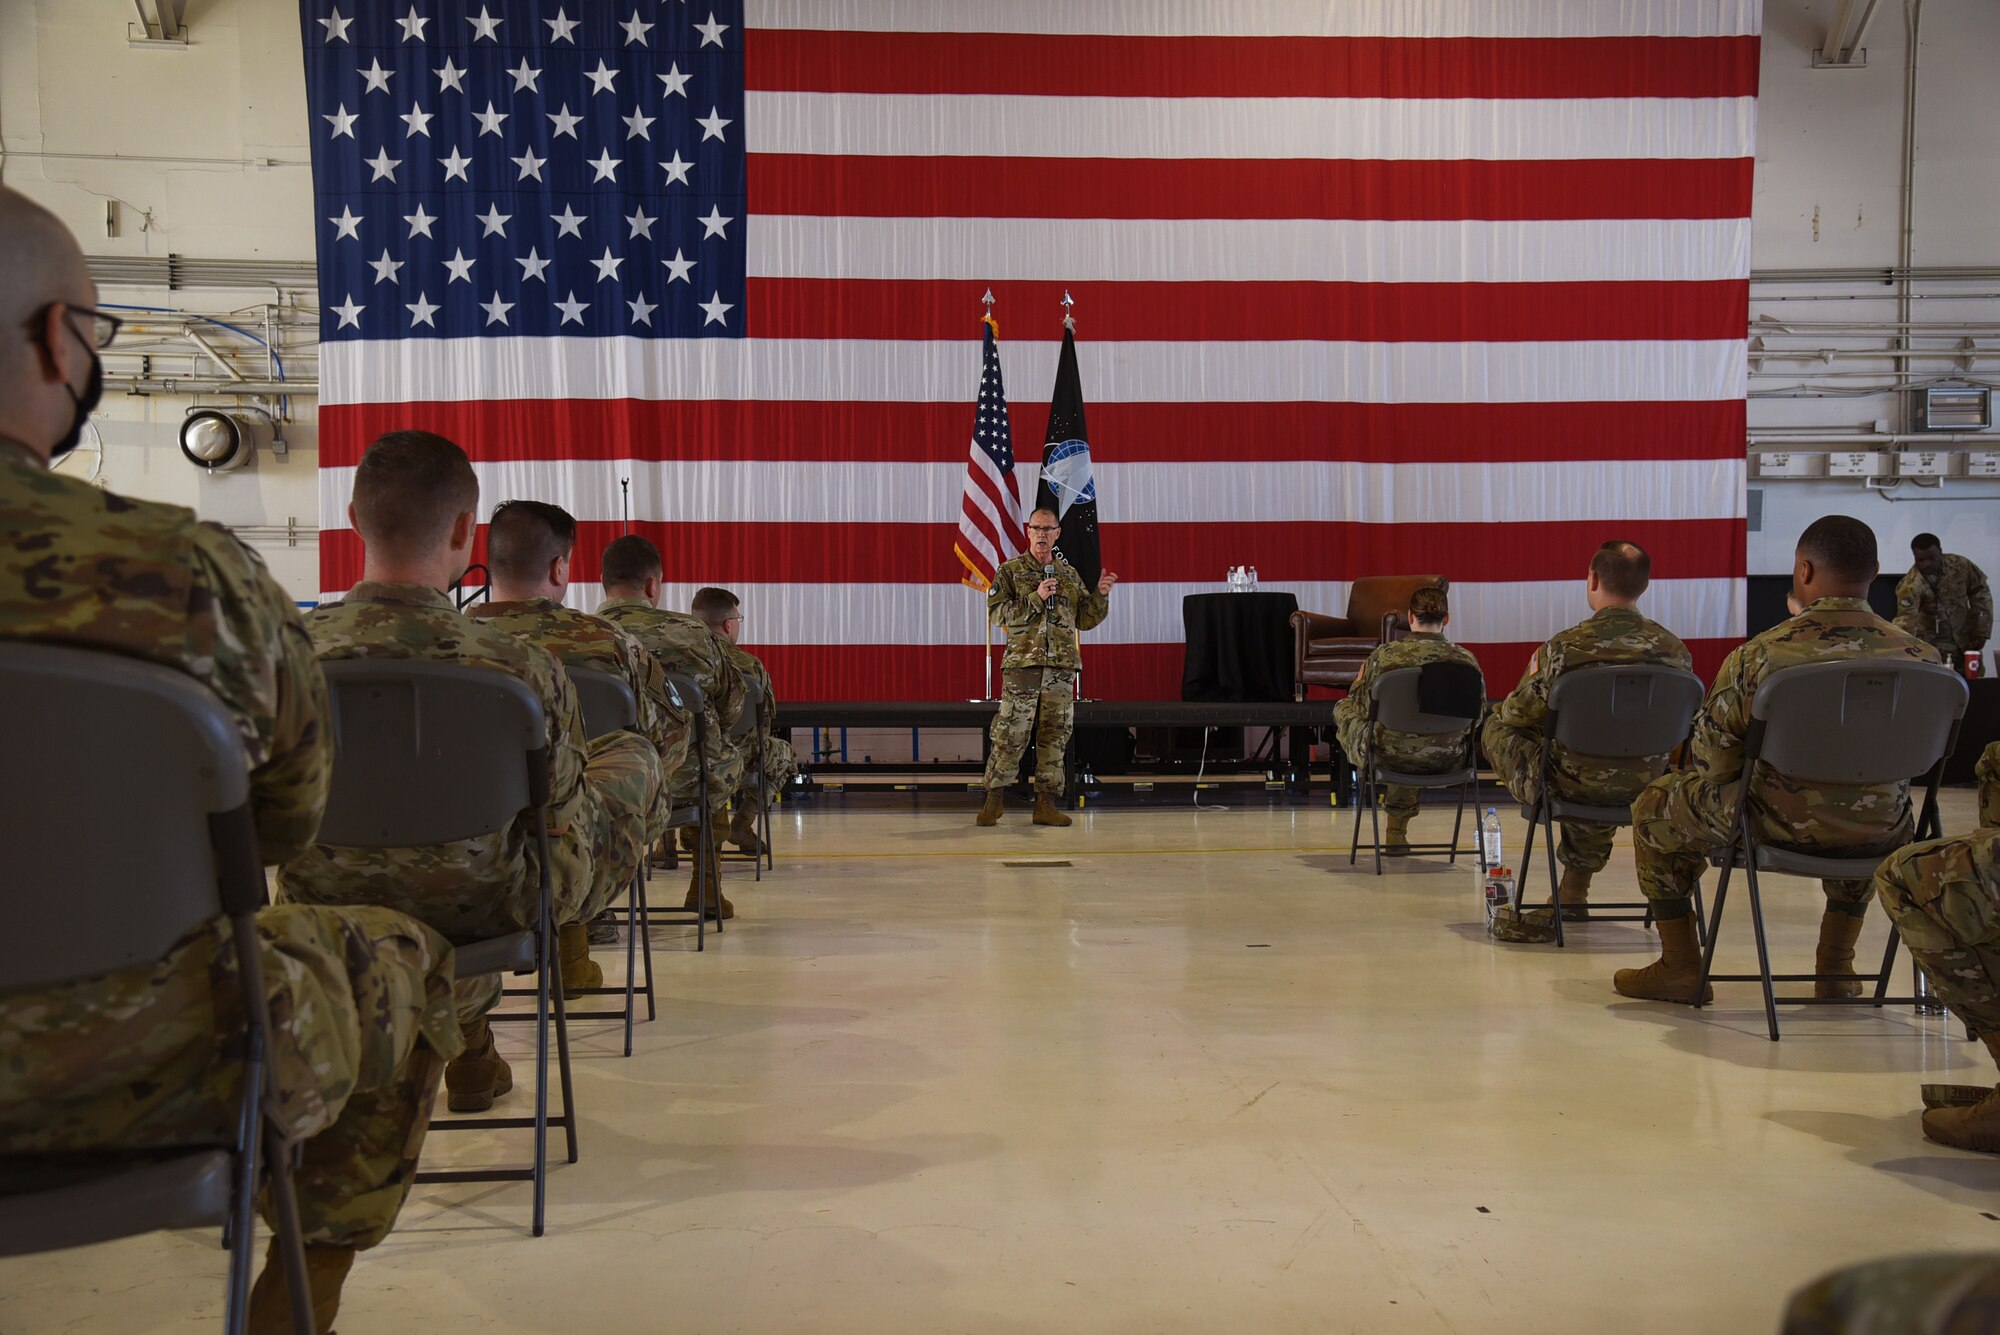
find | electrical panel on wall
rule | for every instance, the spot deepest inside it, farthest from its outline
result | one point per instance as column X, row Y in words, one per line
column 1786, row 463
column 1858, row 463
column 1930, row 463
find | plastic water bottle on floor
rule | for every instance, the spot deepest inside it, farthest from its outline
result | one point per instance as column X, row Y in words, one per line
column 1489, row 837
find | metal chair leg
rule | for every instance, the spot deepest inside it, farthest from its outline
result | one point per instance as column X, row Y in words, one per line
column 1714, row 932
column 543, row 968
column 1375, row 821
column 1354, row 847
column 632, row 930
column 1457, row 824
column 562, row 1067
column 646, row 945
column 1527, row 861
column 1555, row 879
column 1763, row 949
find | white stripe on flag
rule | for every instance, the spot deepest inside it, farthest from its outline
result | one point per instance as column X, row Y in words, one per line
column 1275, row 18
column 1250, row 250
column 750, row 491
column 1150, row 613
column 1437, row 129
column 925, row 371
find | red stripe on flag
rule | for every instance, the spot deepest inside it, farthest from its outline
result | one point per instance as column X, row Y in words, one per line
column 1276, row 312
column 1176, row 553
column 1396, row 190
column 1093, row 65
column 601, row 430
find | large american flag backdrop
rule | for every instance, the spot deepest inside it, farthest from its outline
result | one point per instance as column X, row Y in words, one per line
column 1369, row 287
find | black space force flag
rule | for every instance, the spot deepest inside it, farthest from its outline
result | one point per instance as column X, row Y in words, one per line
column 1067, row 486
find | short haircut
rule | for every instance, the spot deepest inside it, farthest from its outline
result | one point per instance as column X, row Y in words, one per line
column 1843, row 545
column 1045, row 510
column 715, row 606
column 408, row 489
column 1429, row 605
column 1622, row 568
column 1924, row 542
column 523, row 537
column 630, row 560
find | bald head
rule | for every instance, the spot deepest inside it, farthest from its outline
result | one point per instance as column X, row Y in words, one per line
column 45, row 356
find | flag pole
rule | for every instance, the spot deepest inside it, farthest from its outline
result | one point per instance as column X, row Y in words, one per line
column 985, row 635
column 1069, row 326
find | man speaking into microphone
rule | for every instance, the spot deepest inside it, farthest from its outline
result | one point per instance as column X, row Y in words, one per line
column 1042, row 603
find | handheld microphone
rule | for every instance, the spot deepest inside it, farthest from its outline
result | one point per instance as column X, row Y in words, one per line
column 1049, row 572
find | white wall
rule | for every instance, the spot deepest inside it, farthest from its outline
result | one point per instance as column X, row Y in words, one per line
column 212, row 142
column 1828, row 177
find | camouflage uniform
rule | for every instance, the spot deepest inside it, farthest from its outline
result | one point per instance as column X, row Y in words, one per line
column 781, row 763
column 360, row 1000
column 1512, row 736
column 600, row 791
column 1409, row 752
column 1944, row 897
column 1953, row 612
column 682, row 644
column 582, row 640
column 1939, row 1294
column 1680, row 817
column 1038, row 672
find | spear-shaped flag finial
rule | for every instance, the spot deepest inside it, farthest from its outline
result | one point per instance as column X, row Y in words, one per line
column 1069, row 312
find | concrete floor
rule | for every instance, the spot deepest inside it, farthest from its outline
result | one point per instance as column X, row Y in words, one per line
column 1189, row 1073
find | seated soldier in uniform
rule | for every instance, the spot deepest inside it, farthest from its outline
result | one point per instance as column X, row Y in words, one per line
column 1430, row 613
column 1614, row 632
column 1680, row 818
column 1944, row 897
column 360, row 999
column 722, row 612
column 528, row 546
column 632, row 578
column 414, row 501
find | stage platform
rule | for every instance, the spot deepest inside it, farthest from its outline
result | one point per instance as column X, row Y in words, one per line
column 1298, row 716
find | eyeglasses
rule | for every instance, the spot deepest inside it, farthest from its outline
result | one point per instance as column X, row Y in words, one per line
column 1043, row 528
column 104, row 326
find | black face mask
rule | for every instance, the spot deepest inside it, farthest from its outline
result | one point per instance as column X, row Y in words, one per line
column 86, row 403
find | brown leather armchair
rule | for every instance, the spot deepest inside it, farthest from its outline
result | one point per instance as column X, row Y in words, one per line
column 1329, row 651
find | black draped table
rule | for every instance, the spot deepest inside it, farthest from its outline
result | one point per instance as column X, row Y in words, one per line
column 1980, row 728
column 1239, row 646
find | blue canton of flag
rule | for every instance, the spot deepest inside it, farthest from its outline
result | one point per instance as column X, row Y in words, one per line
column 532, row 169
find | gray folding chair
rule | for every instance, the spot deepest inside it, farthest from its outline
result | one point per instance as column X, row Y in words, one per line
column 186, row 853
column 750, row 725
column 693, row 817
column 1456, row 694
column 1607, row 711
column 1852, row 723
column 609, row 706
column 434, row 753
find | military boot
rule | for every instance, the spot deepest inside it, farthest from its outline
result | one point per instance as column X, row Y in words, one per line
column 989, row 811
column 1837, row 934
column 478, row 1075
column 604, row 928
column 1973, row 1126
column 1575, row 895
column 707, row 859
column 1046, row 812
column 574, row 966
column 1673, row 976
column 743, row 829
column 270, row 1296
column 1396, row 836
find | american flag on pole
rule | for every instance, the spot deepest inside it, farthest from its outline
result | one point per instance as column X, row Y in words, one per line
column 989, row 515
column 1376, row 287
